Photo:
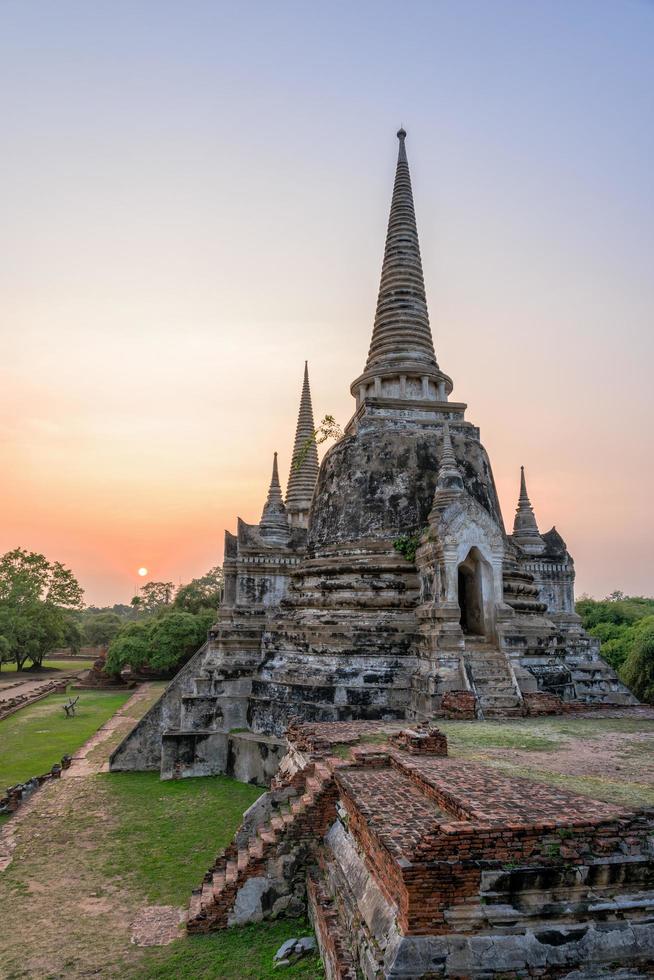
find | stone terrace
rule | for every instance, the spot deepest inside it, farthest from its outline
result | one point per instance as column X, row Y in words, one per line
column 406, row 855
column 430, row 827
column 483, row 795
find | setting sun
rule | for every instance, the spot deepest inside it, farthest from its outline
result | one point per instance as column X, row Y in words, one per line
column 143, row 571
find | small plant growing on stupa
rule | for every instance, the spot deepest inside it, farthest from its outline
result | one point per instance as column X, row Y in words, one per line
column 407, row 545
column 328, row 429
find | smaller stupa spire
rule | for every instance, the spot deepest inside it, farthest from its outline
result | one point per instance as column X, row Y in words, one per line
column 525, row 527
column 449, row 482
column 274, row 520
column 304, row 464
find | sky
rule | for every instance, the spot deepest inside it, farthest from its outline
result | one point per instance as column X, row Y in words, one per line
column 195, row 198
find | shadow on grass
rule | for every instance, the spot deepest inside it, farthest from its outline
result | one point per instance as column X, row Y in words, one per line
column 234, row 954
column 168, row 833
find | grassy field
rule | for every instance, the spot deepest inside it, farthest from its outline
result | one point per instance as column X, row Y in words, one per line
column 169, row 832
column 166, row 837
column 101, row 847
column 111, row 844
column 608, row 759
column 238, row 954
column 33, row 739
column 49, row 664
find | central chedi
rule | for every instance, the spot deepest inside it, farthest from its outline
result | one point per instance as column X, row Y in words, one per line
column 385, row 586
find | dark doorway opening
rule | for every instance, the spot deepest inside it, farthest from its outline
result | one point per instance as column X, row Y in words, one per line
column 470, row 589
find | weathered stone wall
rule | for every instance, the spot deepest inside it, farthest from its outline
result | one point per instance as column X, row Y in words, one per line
column 141, row 749
column 241, row 755
column 365, row 923
column 379, row 482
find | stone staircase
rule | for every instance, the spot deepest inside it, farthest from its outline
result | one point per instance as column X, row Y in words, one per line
column 492, row 679
column 298, row 821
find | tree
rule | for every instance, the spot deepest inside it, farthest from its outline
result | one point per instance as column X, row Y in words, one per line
column 6, row 656
column 162, row 643
column 176, row 637
column 155, row 596
column 131, row 646
column 328, row 428
column 201, row 593
column 615, row 621
column 73, row 635
column 101, row 628
column 638, row 669
column 37, row 599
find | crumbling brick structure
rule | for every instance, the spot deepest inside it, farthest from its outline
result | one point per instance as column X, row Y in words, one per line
column 414, row 864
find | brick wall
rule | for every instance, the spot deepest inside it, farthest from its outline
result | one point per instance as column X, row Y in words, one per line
column 458, row 704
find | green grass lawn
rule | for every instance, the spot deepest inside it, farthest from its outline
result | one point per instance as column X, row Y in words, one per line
column 50, row 664
column 170, row 832
column 236, row 954
column 167, row 835
column 126, row 840
column 33, row 739
column 537, row 734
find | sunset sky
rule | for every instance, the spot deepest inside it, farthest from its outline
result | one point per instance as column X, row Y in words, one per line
column 195, row 198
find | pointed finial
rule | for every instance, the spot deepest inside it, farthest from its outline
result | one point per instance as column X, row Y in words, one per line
column 450, row 482
column 523, row 485
column 525, row 527
column 401, row 332
column 274, row 521
column 447, row 458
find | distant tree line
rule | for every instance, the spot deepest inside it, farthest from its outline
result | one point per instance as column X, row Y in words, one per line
column 625, row 626
column 41, row 609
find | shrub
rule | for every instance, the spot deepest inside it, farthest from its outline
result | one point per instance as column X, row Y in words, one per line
column 638, row 669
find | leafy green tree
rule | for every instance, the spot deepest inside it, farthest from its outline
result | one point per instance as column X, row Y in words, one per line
column 615, row 621
column 162, row 643
column 202, row 593
column 6, row 656
column 37, row 600
column 101, row 628
column 155, row 596
column 73, row 635
column 26, row 575
column 175, row 637
column 638, row 669
column 131, row 646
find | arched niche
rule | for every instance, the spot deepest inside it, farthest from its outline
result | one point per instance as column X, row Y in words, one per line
column 475, row 594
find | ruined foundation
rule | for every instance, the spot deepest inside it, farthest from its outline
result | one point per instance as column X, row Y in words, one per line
column 415, row 865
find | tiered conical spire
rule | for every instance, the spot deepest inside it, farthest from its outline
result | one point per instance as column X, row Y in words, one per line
column 274, row 520
column 525, row 527
column 449, row 482
column 304, row 464
column 401, row 331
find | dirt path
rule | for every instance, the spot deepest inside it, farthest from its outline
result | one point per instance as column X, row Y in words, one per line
column 60, row 914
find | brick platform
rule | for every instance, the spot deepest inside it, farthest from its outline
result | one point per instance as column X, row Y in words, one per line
column 415, row 864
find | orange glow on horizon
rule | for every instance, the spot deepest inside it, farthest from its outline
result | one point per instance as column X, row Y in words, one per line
column 182, row 230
